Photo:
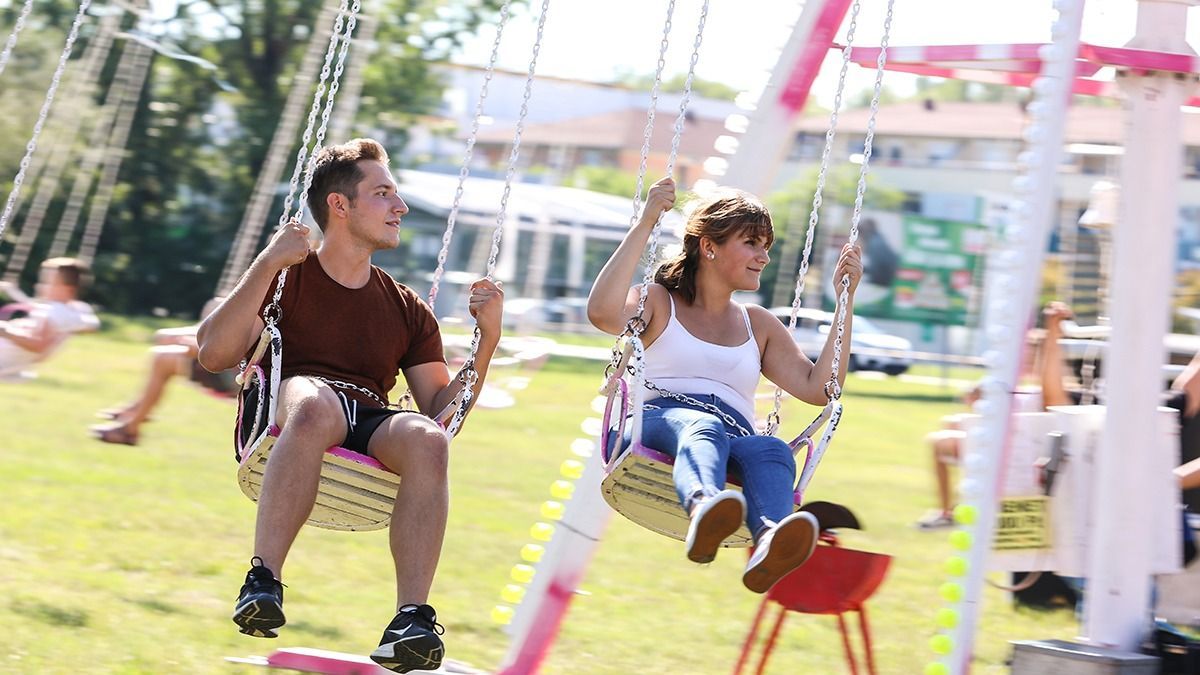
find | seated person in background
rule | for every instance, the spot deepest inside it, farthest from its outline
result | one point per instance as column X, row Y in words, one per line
column 52, row 314
column 1183, row 396
column 946, row 446
column 174, row 353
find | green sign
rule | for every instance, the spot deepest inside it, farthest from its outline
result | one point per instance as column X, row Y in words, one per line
column 919, row 269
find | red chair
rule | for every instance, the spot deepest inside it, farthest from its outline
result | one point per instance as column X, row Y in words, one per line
column 835, row 580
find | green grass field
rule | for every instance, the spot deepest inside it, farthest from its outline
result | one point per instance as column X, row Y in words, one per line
column 127, row 560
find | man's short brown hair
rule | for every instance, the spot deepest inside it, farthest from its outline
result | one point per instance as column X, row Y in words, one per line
column 70, row 270
column 335, row 169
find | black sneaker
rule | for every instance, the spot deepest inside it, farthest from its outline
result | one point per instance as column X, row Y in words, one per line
column 411, row 641
column 259, row 608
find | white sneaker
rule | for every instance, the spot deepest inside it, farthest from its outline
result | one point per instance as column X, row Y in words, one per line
column 713, row 520
column 782, row 549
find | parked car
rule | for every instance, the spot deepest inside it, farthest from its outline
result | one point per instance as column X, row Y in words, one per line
column 871, row 347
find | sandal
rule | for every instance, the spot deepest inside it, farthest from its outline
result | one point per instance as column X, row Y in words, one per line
column 115, row 414
column 114, row 433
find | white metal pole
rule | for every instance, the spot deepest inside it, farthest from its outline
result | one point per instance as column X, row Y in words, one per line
column 762, row 148
column 1118, row 593
column 1012, row 283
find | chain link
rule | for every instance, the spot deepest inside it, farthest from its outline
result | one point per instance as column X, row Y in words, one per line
column 334, row 85
column 306, row 139
column 832, row 387
column 514, row 155
column 43, row 114
column 465, row 169
column 12, row 37
column 651, row 255
column 273, row 312
column 773, row 418
column 341, row 384
column 468, row 376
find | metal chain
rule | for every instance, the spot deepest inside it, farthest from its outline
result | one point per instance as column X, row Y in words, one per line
column 69, row 123
column 465, row 169
column 832, row 388
column 341, row 384
column 12, row 37
column 334, row 86
column 773, row 418
column 467, row 375
column 306, row 139
column 728, row 419
column 636, row 324
column 43, row 114
column 272, row 313
column 656, row 232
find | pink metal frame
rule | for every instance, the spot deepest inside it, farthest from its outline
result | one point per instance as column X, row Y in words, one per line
column 1019, row 64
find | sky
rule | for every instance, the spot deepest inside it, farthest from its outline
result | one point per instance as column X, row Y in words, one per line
column 597, row 39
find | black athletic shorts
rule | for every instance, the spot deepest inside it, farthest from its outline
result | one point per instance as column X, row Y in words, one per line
column 361, row 423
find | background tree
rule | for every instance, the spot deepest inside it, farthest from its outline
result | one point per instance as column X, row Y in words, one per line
column 201, row 134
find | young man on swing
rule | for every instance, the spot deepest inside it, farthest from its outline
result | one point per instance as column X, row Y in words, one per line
column 348, row 328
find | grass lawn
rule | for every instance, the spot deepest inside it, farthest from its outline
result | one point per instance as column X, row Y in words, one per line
column 127, row 560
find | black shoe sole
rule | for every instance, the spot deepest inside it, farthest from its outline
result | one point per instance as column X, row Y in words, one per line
column 259, row 618
column 399, row 664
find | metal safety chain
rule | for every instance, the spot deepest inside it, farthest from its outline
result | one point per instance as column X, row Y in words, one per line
column 306, row 139
column 832, row 388
column 465, row 170
column 272, row 313
column 65, row 133
column 334, row 85
column 341, row 384
column 43, row 114
column 636, row 324
column 467, row 375
column 656, row 232
column 12, row 37
column 773, row 418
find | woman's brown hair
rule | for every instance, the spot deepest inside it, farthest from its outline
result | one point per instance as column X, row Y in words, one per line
column 728, row 213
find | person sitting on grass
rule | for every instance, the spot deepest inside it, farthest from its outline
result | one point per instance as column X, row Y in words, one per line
column 713, row 350
column 174, row 353
column 347, row 329
column 50, row 316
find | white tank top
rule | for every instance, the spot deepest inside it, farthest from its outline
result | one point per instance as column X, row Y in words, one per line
column 683, row 363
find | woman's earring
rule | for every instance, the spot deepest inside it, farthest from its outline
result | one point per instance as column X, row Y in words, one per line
column 712, row 255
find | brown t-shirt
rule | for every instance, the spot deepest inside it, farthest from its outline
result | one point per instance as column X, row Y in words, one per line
column 357, row 335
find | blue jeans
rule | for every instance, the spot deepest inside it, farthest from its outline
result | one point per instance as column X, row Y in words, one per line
column 705, row 450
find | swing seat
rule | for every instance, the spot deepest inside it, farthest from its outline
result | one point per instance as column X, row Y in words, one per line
column 639, row 485
column 355, row 492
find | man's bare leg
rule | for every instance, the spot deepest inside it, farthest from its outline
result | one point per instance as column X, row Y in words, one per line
column 417, row 449
column 311, row 418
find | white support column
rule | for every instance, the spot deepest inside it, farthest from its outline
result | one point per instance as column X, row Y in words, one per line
column 768, row 138
column 1118, row 593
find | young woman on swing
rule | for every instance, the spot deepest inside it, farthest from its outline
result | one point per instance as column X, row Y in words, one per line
column 702, row 344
